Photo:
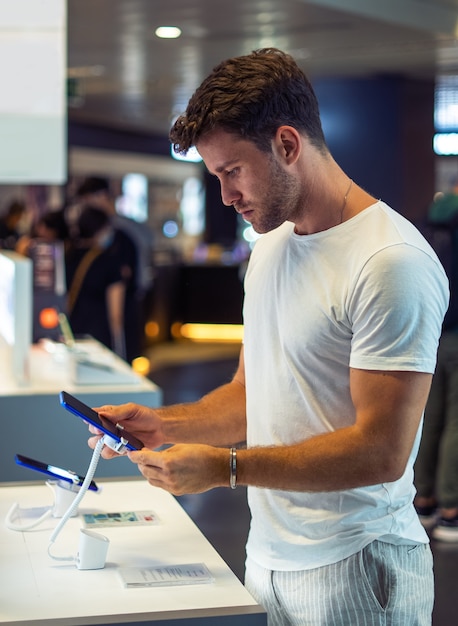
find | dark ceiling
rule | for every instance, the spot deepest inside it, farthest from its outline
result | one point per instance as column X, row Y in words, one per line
column 127, row 77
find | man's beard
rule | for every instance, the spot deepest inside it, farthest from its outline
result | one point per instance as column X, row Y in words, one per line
column 279, row 202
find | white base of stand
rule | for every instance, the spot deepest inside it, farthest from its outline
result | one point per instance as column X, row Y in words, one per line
column 92, row 550
column 64, row 495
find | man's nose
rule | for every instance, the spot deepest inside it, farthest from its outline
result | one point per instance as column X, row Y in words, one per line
column 229, row 196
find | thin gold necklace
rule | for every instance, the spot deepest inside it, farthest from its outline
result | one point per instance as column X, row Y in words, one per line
column 345, row 201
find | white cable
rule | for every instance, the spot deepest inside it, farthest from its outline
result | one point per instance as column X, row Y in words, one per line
column 10, row 515
column 84, row 487
column 12, row 526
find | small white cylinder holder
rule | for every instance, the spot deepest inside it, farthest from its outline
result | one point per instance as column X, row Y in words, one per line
column 92, row 550
column 64, row 495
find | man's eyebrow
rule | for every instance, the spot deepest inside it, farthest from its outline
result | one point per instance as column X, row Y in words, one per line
column 225, row 166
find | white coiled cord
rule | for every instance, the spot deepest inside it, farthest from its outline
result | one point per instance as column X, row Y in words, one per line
column 84, row 487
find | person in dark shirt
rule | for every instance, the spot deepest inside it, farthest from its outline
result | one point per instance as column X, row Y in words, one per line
column 95, row 191
column 436, row 467
column 96, row 287
column 10, row 231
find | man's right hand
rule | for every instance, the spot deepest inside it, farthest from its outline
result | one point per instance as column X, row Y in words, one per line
column 142, row 422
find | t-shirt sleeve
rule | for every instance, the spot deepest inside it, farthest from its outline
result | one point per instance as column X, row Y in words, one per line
column 396, row 310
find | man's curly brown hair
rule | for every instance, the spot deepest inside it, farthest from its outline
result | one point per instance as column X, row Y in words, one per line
column 251, row 96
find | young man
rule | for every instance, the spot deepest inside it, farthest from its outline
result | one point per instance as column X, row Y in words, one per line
column 344, row 302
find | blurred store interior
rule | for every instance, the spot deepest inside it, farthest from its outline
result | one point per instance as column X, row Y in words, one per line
column 386, row 75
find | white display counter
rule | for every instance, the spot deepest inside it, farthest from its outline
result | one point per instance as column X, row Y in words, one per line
column 34, row 424
column 38, row 590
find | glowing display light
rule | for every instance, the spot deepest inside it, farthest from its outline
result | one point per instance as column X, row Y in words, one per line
column 446, row 144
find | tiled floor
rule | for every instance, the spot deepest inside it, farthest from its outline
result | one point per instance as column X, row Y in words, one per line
column 185, row 372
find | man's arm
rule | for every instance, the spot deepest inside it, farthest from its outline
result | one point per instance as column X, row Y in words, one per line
column 389, row 406
column 219, row 418
column 115, row 297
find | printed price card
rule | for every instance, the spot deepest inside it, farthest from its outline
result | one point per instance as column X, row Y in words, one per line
column 166, row 575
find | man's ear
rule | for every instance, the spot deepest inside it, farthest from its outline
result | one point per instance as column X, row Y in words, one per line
column 288, row 144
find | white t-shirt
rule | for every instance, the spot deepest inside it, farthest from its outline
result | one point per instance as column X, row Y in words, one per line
column 368, row 294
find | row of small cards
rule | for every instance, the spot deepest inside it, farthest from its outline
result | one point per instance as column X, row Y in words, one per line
column 187, row 574
column 166, row 575
column 121, row 518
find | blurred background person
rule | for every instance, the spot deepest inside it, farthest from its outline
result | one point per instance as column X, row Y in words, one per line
column 13, row 224
column 436, row 467
column 95, row 281
column 444, row 209
column 134, row 243
column 49, row 227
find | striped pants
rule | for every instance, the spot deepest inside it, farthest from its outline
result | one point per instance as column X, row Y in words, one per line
column 383, row 585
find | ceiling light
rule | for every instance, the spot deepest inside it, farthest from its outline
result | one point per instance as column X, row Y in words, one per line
column 168, row 32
